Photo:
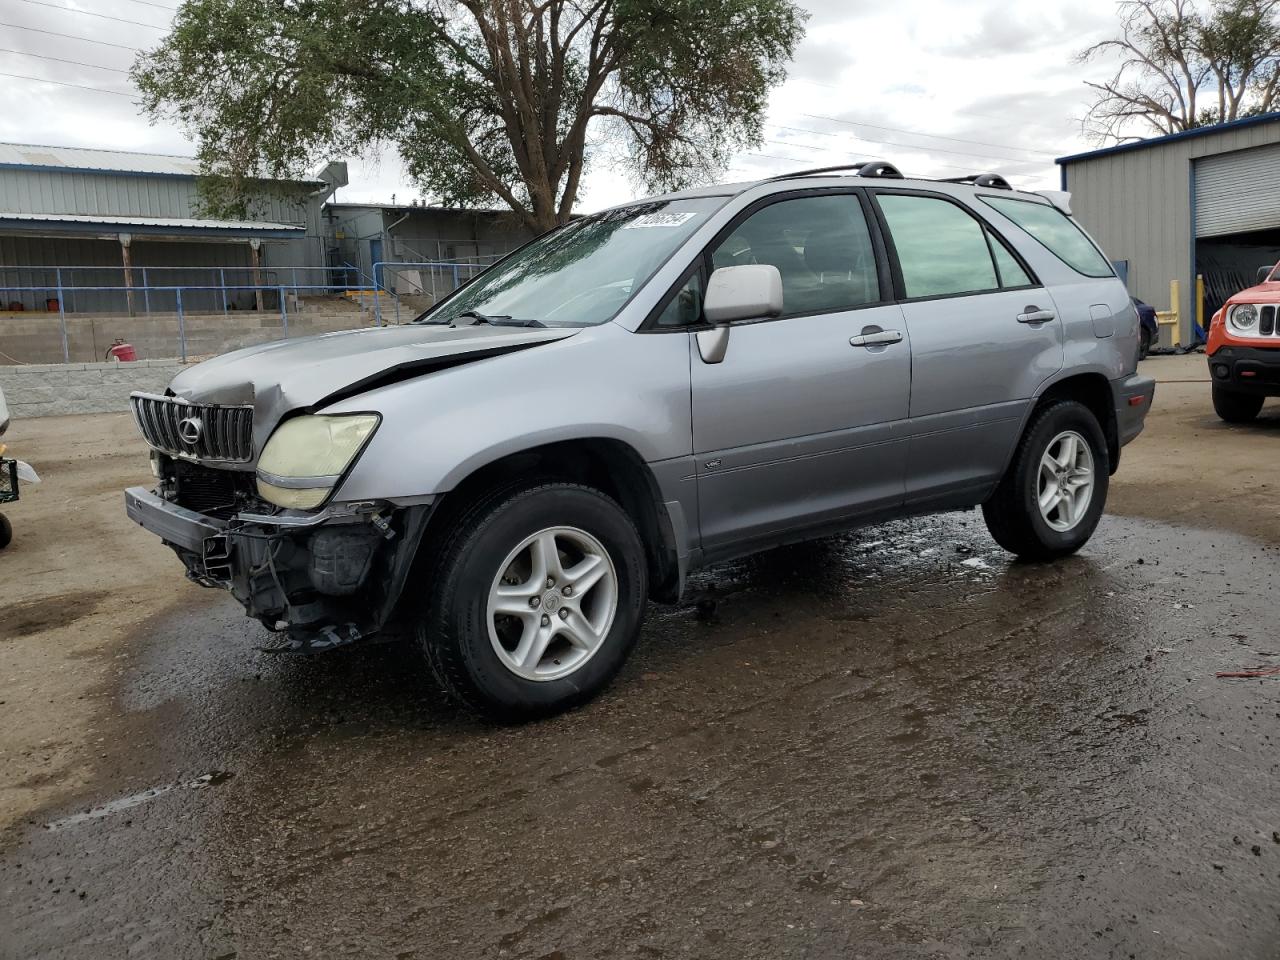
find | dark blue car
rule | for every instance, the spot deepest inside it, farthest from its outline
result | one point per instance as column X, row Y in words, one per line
column 1150, row 330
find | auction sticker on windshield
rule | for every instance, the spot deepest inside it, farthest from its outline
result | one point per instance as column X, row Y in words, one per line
column 660, row 220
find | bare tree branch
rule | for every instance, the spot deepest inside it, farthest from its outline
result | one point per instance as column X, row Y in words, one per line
column 1170, row 58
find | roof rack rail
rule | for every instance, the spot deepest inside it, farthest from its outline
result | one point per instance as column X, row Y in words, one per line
column 863, row 168
column 992, row 180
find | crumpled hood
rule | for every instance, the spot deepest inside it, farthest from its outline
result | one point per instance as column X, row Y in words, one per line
column 286, row 375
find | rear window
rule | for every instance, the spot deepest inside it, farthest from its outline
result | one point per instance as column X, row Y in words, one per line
column 1056, row 232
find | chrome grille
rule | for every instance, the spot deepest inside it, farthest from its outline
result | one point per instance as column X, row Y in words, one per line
column 225, row 433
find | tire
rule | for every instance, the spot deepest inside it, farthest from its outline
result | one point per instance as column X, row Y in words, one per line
column 1013, row 513
column 489, row 660
column 1144, row 343
column 1236, row 407
column 6, row 531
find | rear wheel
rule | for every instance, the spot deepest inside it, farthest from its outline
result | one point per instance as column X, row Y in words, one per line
column 1144, row 343
column 1236, row 407
column 6, row 531
column 1051, row 497
column 539, row 595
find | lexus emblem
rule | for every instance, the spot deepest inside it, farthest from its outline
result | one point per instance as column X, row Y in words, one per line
column 189, row 430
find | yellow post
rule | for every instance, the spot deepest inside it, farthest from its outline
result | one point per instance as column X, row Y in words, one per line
column 1173, row 316
column 1200, row 302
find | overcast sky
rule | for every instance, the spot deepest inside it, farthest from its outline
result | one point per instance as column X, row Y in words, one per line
column 938, row 88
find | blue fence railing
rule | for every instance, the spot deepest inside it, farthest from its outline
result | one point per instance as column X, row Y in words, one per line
column 180, row 291
column 181, row 297
column 94, row 288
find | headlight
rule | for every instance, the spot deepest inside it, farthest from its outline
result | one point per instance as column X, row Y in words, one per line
column 1244, row 316
column 307, row 455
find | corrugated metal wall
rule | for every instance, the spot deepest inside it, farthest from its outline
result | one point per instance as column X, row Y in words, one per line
column 116, row 194
column 1138, row 205
column 141, row 195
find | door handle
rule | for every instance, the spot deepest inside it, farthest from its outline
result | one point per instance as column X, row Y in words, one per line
column 1033, row 314
column 877, row 339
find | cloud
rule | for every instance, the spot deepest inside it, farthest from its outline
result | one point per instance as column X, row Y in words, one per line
column 1001, row 31
column 821, row 60
column 928, row 74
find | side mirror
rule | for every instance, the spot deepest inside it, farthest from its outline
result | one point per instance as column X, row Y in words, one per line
column 749, row 292
column 1264, row 272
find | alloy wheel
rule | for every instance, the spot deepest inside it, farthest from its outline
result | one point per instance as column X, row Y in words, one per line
column 552, row 603
column 1064, row 485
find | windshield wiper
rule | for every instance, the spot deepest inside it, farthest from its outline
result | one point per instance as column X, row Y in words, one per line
column 494, row 319
column 497, row 319
column 465, row 315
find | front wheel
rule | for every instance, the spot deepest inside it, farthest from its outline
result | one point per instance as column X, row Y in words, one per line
column 6, row 531
column 1051, row 498
column 1236, row 407
column 1144, row 343
column 538, row 598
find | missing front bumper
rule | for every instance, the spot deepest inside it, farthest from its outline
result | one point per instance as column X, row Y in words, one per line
column 318, row 577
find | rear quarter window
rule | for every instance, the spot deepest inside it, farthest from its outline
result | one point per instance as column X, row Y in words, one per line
column 1056, row 232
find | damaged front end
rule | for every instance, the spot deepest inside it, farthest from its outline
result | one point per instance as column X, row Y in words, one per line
column 325, row 579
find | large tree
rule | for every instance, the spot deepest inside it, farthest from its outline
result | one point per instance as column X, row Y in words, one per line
column 486, row 100
column 1180, row 66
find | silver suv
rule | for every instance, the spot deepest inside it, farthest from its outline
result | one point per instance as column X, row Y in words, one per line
column 644, row 391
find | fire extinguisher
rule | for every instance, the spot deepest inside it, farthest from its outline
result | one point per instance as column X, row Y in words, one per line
column 122, row 351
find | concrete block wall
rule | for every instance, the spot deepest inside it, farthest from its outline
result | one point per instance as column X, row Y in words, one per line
column 59, row 389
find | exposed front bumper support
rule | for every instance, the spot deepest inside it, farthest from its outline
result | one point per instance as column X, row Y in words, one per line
column 171, row 523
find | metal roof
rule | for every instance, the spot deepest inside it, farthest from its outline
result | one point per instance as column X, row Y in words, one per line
column 151, row 223
column 1170, row 138
column 80, row 158
column 415, row 208
column 33, row 156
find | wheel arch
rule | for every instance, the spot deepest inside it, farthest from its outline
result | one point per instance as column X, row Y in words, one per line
column 1091, row 388
column 610, row 465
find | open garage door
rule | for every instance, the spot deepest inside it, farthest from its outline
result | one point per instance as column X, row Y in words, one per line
column 1237, row 220
column 1238, row 192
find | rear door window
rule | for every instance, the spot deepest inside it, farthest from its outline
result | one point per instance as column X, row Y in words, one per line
column 942, row 250
column 1056, row 232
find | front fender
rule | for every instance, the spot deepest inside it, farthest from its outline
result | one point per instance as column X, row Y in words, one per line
column 605, row 383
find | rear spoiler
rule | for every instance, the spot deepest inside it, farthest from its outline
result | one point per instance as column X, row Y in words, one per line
column 1059, row 198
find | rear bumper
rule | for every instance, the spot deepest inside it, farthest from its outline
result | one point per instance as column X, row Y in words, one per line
column 1254, row 370
column 1133, row 397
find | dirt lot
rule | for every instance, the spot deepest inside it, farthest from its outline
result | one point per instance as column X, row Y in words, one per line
column 895, row 744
